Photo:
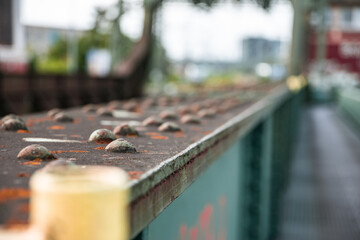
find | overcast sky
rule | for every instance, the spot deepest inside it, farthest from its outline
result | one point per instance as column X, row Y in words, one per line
column 186, row 31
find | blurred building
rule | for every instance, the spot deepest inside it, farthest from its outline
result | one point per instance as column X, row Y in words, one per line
column 342, row 39
column 258, row 49
column 265, row 57
column 346, row 19
column 12, row 44
column 39, row 39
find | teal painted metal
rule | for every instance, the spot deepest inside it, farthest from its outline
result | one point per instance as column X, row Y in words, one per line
column 208, row 208
column 349, row 103
column 238, row 196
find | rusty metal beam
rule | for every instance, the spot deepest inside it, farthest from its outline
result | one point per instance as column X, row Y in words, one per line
column 156, row 189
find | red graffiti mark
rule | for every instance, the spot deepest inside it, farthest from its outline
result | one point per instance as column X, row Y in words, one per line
column 204, row 228
column 193, row 233
column 205, row 217
column 183, row 231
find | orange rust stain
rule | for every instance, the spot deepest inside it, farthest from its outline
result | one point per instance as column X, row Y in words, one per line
column 206, row 132
column 56, row 127
column 58, row 151
column 24, row 208
column 76, row 136
column 77, row 121
column 103, row 141
column 23, row 175
column 179, row 132
column 29, row 124
column 159, row 137
column 138, row 109
column 23, row 131
column 131, row 135
column 152, row 133
column 179, row 135
column 99, row 148
column 90, row 118
column 3, row 146
column 31, row 121
column 135, row 174
column 30, row 163
column 198, row 129
column 78, row 151
column 16, row 224
column 7, row 194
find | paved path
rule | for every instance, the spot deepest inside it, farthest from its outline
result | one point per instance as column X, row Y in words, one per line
column 322, row 201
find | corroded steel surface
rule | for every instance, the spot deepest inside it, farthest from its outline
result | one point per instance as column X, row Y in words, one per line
column 165, row 163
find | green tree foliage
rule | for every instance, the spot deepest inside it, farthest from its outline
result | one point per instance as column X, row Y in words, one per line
column 58, row 50
column 55, row 60
column 99, row 37
column 266, row 4
column 96, row 38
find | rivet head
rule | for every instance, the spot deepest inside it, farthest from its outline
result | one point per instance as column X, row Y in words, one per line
column 209, row 103
column 163, row 101
column 206, row 113
column 13, row 124
column 53, row 112
column 125, row 130
column 130, row 106
column 195, row 107
column 222, row 109
column 34, row 151
column 59, row 166
column 121, row 146
column 115, row 104
column 189, row 118
column 169, row 127
column 168, row 114
column 89, row 108
column 62, row 117
column 149, row 102
column 102, row 136
column 11, row 116
column 152, row 121
column 103, row 111
column 184, row 110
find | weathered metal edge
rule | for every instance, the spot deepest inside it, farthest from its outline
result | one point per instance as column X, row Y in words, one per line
column 158, row 187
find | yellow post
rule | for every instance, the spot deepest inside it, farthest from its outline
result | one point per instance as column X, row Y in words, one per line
column 85, row 203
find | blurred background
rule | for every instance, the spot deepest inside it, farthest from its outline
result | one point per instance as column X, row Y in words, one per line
column 63, row 53
column 156, row 46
